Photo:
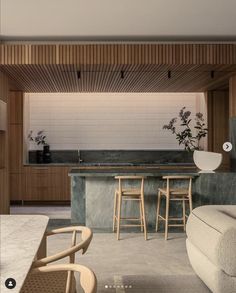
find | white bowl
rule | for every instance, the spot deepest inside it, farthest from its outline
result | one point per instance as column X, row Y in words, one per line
column 207, row 162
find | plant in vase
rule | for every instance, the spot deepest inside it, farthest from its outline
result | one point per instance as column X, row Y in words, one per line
column 188, row 134
column 40, row 139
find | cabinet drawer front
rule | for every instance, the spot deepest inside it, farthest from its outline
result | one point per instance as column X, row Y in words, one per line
column 38, row 180
column 38, row 170
column 38, row 193
column 60, row 194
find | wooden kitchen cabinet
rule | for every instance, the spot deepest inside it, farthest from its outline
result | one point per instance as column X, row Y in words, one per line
column 40, row 184
column 31, row 183
column 47, row 184
column 15, row 148
column 16, row 186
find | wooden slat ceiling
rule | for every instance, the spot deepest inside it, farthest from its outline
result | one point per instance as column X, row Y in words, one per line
column 54, row 68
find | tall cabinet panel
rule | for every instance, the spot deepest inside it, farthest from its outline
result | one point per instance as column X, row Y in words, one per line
column 15, row 120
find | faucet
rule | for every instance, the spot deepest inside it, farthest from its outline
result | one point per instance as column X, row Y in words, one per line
column 79, row 156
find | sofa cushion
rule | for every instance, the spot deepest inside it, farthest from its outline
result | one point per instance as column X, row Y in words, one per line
column 212, row 229
column 215, row 278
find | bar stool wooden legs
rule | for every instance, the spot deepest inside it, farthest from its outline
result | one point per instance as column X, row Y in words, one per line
column 175, row 194
column 129, row 194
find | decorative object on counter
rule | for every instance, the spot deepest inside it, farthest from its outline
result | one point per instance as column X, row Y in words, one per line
column 40, row 139
column 187, row 137
column 207, row 162
column 46, row 154
column 39, row 157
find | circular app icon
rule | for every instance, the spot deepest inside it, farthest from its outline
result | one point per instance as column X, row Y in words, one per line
column 227, row 146
column 10, row 283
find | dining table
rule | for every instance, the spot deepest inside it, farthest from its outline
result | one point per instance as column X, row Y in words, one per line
column 22, row 240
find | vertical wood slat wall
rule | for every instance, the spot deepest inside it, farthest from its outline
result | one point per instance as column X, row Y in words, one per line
column 110, row 54
column 4, row 192
column 218, row 123
column 232, row 96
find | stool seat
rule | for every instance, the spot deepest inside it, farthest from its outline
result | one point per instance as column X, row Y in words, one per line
column 174, row 191
column 129, row 194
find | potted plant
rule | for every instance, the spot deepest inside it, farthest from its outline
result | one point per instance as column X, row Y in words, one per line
column 42, row 156
column 188, row 134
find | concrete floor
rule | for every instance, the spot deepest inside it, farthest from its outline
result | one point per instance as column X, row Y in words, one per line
column 53, row 212
column 135, row 265
column 131, row 264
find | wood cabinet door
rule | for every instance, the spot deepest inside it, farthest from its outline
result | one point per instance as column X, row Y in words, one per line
column 17, row 186
column 37, row 186
column 60, row 184
column 47, row 184
column 15, row 148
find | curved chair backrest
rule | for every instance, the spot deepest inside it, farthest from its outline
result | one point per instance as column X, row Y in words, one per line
column 88, row 279
column 86, row 236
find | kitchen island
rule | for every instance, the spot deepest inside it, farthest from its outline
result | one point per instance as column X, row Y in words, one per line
column 92, row 191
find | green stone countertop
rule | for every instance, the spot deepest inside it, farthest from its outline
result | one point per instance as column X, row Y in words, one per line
column 144, row 171
column 51, row 165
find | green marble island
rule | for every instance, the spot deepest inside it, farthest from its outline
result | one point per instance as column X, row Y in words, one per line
column 92, row 192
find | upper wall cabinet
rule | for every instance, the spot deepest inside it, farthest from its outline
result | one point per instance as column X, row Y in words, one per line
column 3, row 116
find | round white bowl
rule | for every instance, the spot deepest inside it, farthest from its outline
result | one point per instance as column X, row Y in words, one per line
column 207, row 162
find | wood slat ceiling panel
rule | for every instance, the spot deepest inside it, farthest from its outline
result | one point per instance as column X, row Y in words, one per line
column 54, row 67
column 140, row 78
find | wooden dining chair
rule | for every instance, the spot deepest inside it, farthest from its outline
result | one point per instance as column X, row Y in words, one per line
column 129, row 194
column 182, row 194
column 86, row 237
column 51, row 279
column 67, row 279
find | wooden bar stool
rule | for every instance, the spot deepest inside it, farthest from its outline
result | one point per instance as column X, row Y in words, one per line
column 174, row 194
column 129, row 194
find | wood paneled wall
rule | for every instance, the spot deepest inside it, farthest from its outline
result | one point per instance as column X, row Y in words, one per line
column 218, row 123
column 4, row 191
column 232, row 96
column 15, row 126
column 90, row 54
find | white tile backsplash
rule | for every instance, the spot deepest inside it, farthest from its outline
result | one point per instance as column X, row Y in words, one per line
column 107, row 120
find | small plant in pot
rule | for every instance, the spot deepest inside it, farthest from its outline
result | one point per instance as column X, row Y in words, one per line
column 42, row 156
column 190, row 132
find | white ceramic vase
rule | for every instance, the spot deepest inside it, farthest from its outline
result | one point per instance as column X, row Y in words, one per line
column 207, row 162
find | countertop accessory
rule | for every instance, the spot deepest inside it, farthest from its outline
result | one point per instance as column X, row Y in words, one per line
column 207, row 162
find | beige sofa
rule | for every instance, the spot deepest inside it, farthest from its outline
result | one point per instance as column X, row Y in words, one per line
column 211, row 246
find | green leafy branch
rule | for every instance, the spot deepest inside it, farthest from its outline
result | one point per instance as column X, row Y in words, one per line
column 185, row 137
